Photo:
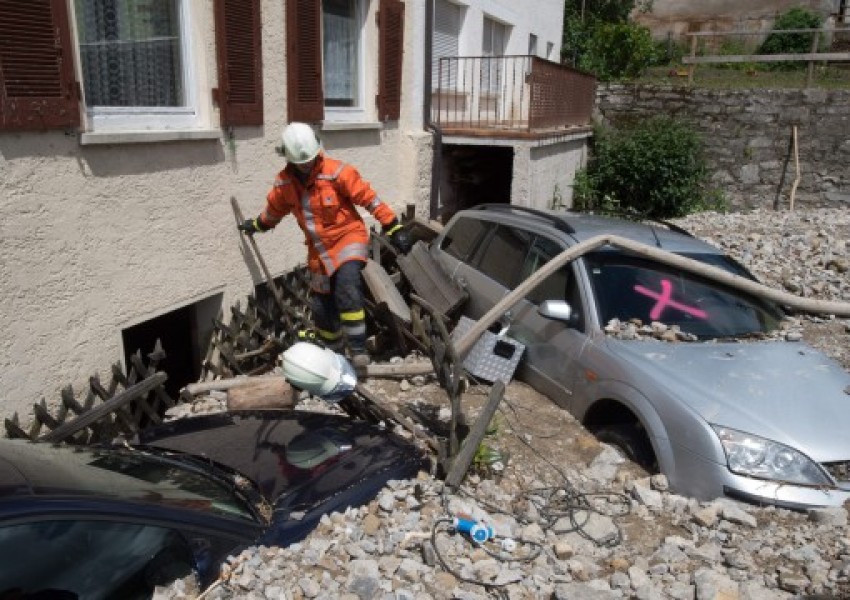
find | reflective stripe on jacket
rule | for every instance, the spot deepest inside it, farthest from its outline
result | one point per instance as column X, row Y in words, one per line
column 325, row 208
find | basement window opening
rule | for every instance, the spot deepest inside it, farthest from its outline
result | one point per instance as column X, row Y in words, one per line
column 184, row 334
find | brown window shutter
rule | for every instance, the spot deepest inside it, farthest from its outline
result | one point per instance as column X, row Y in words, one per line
column 37, row 87
column 305, row 99
column 390, row 51
column 240, row 70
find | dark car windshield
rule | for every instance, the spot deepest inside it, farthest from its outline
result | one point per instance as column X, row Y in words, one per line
column 120, row 473
column 628, row 287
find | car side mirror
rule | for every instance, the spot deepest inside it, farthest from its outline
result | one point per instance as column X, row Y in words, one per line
column 557, row 310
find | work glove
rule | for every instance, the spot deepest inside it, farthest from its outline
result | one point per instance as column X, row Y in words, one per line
column 399, row 237
column 251, row 226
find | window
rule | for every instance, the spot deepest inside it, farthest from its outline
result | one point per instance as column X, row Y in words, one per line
column 549, row 47
column 446, row 43
column 505, row 255
column 325, row 54
column 135, row 62
column 63, row 558
column 629, row 287
column 493, row 44
column 464, row 237
column 342, row 53
column 495, row 38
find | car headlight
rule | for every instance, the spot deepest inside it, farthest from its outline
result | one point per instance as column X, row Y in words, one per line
column 754, row 456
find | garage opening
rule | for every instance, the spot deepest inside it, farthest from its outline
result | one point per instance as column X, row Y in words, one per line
column 472, row 175
column 184, row 333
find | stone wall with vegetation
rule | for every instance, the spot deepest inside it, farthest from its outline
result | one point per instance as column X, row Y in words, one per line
column 747, row 136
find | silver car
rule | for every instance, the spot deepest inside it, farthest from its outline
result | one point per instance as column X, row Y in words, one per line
column 736, row 412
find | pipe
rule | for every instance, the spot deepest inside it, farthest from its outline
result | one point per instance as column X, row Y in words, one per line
column 810, row 305
column 430, row 125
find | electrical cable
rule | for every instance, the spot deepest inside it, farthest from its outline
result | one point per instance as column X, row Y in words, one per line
column 552, row 505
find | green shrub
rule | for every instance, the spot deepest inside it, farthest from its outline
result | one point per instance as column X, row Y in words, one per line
column 618, row 50
column 654, row 169
column 791, row 43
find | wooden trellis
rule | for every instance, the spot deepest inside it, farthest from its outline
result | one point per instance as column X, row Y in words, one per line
column 130, row 401
column 251, row 341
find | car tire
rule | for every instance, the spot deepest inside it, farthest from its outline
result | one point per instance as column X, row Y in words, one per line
column 631, row 440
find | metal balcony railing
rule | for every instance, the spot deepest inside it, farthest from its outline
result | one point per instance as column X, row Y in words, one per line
column 493, row 95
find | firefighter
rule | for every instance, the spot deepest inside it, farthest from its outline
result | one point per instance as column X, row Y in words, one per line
column 323, row 194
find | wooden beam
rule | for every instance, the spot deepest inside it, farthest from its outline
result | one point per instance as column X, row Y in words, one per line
column 766, row 58
column 461, row 462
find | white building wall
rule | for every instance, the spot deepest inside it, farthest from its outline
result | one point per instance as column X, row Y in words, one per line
column 543, row 173
column 95, row 239
column 544, row 18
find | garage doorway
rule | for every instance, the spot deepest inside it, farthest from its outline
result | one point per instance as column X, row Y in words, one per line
column 184, row 333
column 472, row 175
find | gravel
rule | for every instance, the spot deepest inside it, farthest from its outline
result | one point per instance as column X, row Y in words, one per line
column 589, row 527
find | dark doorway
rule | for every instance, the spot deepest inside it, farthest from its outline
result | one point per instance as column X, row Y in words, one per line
column 184, row 334
column 473, row 175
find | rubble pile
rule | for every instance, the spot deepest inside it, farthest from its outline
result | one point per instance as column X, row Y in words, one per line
column 570, row 518
column 805, row 252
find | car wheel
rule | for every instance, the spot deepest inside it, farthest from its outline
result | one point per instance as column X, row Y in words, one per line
column 631, row 440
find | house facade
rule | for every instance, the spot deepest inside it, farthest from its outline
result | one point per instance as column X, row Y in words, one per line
column 127, row 125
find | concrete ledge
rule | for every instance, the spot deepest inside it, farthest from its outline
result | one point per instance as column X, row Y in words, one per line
column 142, row 137
column 350, row 126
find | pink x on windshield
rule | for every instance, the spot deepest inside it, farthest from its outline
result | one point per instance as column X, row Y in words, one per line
column 665, row 299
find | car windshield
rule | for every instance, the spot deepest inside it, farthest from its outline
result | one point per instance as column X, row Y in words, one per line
column 628, row 287
column 126, row 474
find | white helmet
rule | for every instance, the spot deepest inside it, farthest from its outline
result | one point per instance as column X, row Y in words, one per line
column 300, row 144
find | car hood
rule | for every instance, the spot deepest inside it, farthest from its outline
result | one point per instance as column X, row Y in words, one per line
column 301, row 456
column 785, row 391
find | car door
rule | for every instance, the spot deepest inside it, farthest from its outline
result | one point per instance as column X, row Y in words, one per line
column 490, row 259
column 553, row 348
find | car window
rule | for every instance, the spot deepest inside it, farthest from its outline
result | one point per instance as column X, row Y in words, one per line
column 65, row 559
column 132, row 475
column 629, row 287
column 503, row 257
column 560, row 285
column 463, row 237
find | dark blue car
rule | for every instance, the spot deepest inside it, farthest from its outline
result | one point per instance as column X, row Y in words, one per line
column 92, row 522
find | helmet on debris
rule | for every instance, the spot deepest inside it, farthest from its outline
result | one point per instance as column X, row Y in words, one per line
column 300, row 144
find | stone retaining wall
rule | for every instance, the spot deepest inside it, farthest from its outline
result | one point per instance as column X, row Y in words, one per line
column 747, row 138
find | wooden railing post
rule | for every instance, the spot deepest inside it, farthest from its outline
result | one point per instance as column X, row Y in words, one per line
column 810, row 73
column 693, row 65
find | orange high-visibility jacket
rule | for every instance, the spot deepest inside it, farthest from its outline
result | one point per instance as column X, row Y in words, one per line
column 325, row 209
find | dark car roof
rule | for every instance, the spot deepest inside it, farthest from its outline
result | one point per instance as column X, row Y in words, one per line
column 579, row 227
column 278, row 450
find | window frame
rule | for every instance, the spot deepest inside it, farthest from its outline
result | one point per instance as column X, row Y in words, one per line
column 359, row 112
column 117, row 119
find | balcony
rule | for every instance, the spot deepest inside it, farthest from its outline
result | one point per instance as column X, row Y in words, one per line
column 510, row 96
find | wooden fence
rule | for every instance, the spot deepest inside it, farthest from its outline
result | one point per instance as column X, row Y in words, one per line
column 811, row 57
column 132, row 400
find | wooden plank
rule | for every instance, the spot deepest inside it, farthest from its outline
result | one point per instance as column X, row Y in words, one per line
column 461, row 463
column 262, row 393
column 430, row 281
column 400, row 370
column 201, row 387
column 759, row 58
column 384, row 290
column 761, row 33
column 113, row 404
column 422, row 229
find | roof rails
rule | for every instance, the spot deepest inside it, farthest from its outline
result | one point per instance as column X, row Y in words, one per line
column 557, row 222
